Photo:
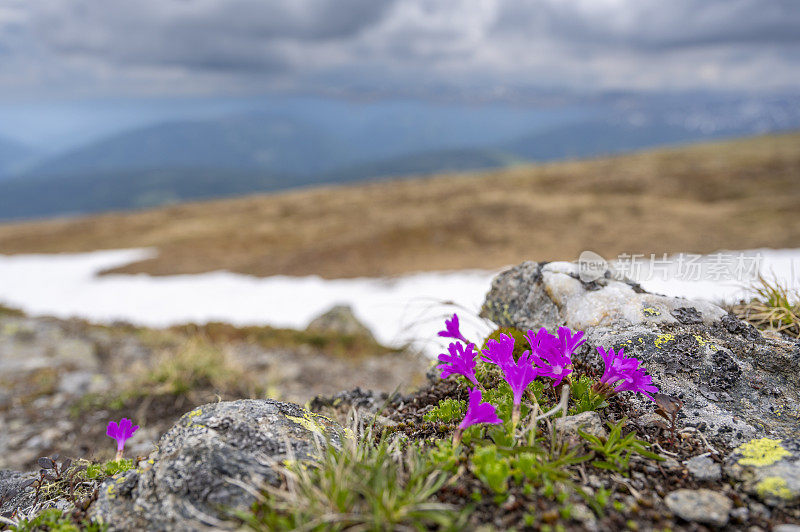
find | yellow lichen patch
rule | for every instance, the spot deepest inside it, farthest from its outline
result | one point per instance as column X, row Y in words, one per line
column 349, row 434
column 662, row 339
column 308, row 422
column 296, row 464
column 774, row 487
column 761, row 452
column 194, row 413
column 650, row 311
column 705, row 342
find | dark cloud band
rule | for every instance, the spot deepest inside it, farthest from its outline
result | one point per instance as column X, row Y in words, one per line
column 581, row 44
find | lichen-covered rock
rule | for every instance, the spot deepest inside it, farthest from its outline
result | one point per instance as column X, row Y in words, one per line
column 13, row 494
column 340, row 320
column 201, row 467
column 769, row 468
column 700, row 506
column 736, row 383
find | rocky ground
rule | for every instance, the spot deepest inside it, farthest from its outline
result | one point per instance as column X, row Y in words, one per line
column 725, row 454
column 61, row 381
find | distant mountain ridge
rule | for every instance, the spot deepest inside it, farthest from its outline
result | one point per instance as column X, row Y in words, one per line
column 264, row 151
column 13, row 155
column 234, row 143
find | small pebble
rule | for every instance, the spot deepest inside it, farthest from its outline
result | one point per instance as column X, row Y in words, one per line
column 786, row 528
column 700, row 506
column 704, row 468
column 740, row 515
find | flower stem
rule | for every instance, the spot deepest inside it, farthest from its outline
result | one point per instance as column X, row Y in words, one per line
column 515, row 417
column 457, row 437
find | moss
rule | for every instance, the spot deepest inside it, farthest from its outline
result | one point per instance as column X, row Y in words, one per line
column 491, row 468
column 54, row 520
column 774, row 487
column 761, row 452
column 448, row 410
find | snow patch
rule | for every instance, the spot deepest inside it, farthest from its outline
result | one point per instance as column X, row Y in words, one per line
column 401, row 310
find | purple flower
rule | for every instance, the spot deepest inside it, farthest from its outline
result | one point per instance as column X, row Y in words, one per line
column 451, row 330
column 499, row 352
column 121, row 432
column 553, row 356
column 616, row 365
column 624, row 374
column 638, row 380
column 477, row 412
column 519, row 375
column 460, row 361
column 570, row 342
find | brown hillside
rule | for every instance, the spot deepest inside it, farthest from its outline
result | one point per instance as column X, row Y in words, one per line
column 733, row 195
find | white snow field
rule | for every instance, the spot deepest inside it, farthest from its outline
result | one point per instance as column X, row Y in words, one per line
column 398, row 310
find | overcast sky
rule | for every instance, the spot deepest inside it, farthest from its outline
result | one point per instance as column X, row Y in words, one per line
column 110, row 48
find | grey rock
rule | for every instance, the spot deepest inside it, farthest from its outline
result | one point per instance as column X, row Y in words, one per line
column 736, row 383
column 651, row 419
column 768, row 468
column 197, row 472
column 700, row 506
column 740, row 515
column 670, row 464
column 12, row 495
column 786, row 528
column 339, row 320
column 76, row 383
column 27, row 344
column 582, row 513
column 588, row 422
column 704, row 468
column 759, row 510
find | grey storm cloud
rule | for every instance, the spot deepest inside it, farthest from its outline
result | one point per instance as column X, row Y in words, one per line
column 214, row 45
column 658, row 25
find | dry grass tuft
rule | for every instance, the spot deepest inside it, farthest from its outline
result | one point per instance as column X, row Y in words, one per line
column 773, row 307
column 200, row 365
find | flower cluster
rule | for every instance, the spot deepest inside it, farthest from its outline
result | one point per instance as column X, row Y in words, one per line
column 549, row 356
